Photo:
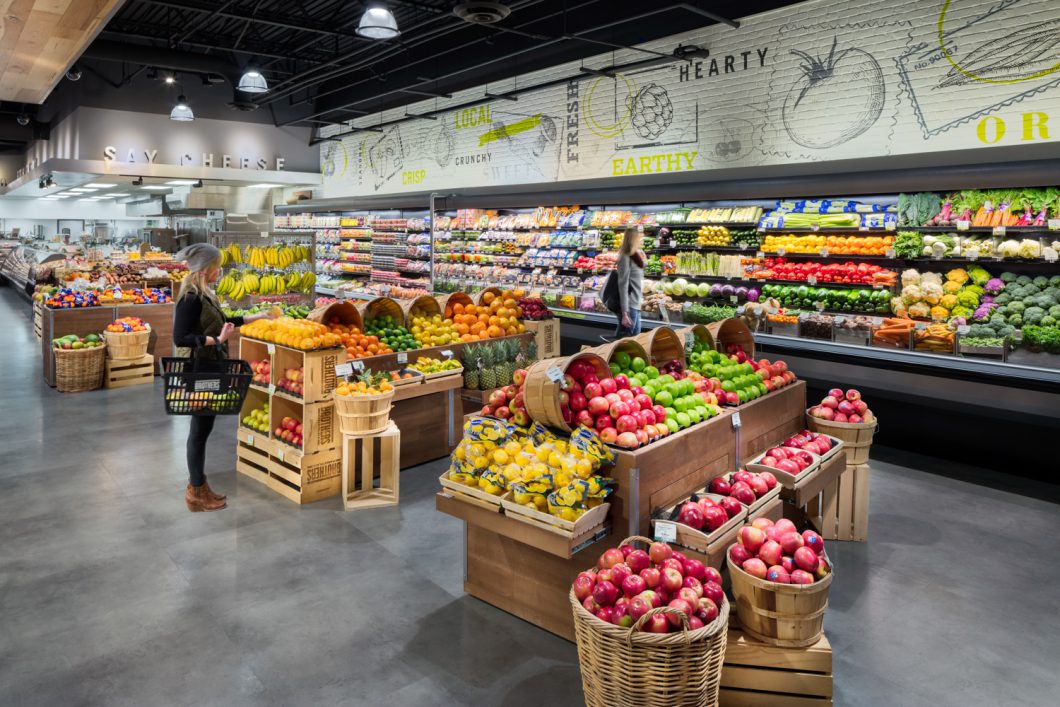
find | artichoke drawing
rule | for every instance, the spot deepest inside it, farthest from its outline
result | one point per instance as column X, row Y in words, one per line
column 650, row 111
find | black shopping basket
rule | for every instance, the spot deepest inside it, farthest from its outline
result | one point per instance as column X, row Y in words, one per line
column 205, row 387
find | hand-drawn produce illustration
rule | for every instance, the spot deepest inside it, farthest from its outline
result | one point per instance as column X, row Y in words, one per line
column 651, row 111
column 1019, row 55
column 386, row 156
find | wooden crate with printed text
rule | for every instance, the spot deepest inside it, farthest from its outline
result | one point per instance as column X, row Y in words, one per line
column 758, row 675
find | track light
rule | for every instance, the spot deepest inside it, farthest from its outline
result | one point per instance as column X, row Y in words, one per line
column 74, row 74
column 378, row 22
column 252, row 82
column 22, row 119
column 182, row 111
column 170, row 79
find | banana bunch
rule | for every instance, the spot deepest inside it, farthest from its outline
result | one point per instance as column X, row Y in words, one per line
column 251, row 282
column 232, row 286
column 272, row 284
column 231, row 255
column 280, row 257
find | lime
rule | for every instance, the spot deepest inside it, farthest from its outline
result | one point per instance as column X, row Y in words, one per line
column 651, row 372
column 615, row 370
column 621, row 358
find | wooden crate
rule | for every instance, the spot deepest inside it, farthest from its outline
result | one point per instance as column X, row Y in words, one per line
column 546, row 334
column 305, row 478
column 757, row 675
column 320, row 424
column 38, row 325
column 841, row 512
column 365, row 459
column 125, row 372
column 252, row 454
column 318, row 378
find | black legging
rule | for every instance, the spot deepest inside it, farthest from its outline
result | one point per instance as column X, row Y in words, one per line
column 201, row 427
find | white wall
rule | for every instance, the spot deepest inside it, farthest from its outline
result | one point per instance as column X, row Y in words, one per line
column 26, row 213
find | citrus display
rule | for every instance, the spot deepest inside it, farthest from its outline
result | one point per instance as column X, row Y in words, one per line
column 433, row 331
column 367, row 384
column 126, row 324
column 498, row 315
column 295, row 333
column 389, row 332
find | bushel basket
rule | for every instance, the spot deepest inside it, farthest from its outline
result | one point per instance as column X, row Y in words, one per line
column 196, row 387
column 856, row 436
column 624, row 666
column 127, row 345
column 79, row 370
column 363, row 414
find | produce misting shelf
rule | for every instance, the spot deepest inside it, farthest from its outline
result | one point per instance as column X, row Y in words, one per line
column 755, row 281
column 518, row 568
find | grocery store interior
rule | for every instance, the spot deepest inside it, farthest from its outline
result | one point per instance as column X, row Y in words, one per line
column 584, row 352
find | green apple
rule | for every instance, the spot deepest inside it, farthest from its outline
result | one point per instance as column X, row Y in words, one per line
column 683, row 419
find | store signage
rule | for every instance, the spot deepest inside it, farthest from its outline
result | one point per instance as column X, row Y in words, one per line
column 665, row 531
column 184, row 159
column 819, row 82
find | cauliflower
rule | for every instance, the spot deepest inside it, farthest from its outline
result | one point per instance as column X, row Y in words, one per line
column 967, row 298
column 1050, row 253
column 995, row 286
column 948, row 301
column 979, row 291
column 983, row 312
column 1029, row 248
column 957, row 275
column 951, row 288
column 978, row 275
column 931, row 278
column 897, row 305
column 1033, row 315
column 920, row 310
column 912, row 294
column 963, row 313
column 930, row 292
column 1009, row 249
column 910, row 277
column 940, row 314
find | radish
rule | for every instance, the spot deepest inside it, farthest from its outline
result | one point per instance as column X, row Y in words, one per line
column 810, row 107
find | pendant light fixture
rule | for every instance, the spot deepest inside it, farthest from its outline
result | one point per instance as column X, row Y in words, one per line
column 182, row 111
column 378, row 22
column 252, row 82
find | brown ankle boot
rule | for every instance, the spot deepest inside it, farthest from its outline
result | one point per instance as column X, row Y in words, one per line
column 210, row 491
column 196, row 499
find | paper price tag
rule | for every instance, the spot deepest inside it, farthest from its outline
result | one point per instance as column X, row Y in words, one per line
column 772, row 310
column 736, row 421
column 447, row 353
column 811, row 280
column 760, row 254
column 357, row 366
column 250, row 439
column 554, row 373
column 279, row 453
column 973, row 255
column 690, row 341
column 733, row 299
column 665, row 531
column 782, row 251
column 824, row 252
column 343, row 369
column 889, row 253
column 963, row 329
column 272, row 389
column 819, row 305
column 999, row 230
column 270, row 348
column 402, row 357
column 1054, row 224
column 1050, row 257
column 815, row 227
column 863, row 228
column 264, row 234
column 964, row 225
column 744, row 246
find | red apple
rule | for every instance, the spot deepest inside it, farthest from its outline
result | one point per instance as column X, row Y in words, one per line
column 762, row 523
column 626, row 423
column 759, row 486
column 674, row 563
column 694, row 568
column 597, row 405
column 743, row 493
column 592, row 390
column 771, row 481
column 742, row 475
column 609, row 435
column 621, row 381
column 778, row 574
column 656, row 623
column 713, row 591
column 681, row 605
column 739, row 554
column 627, row 440
column 720, row 485
column 590, row 605
column 693, row 584
column 788, row 564
column 584, row 419
column 660, row 413
column 707, row 610
column 754, row 567
column 605, row 614
column 610, row 558
column 578, row 402
column 790, row 542
column 714, row 517
column 813, row 541
column 691, row 515
column 785, row 525
column 672, row 580
column 688, row 594
column 605, row 593
column 583, row 587
column 654, row 597
column 639, row 606
column 752, row 538
column 853, row 395
column 643, row 401
column 618, row 409
column 660, row 552
column 801, row 576
column 806, row 559
column 620, row 616
column 638, row 560
column 770, row 552
column 633, row 585
column 651, row 577
column 603, row 421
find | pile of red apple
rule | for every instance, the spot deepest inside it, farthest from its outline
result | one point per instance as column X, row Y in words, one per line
column 621, row 414
column 793, row 456
column 293, row 381
column 777, row 552
column 705, row 512
column 290, row 431
column 838, row 406
column 744, row 486
column 262, row 371
column 628, row 583
column 508, row 403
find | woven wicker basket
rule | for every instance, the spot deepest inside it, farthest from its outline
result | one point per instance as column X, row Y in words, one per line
column 124, row 345
column 78, row 370
column 621, row 666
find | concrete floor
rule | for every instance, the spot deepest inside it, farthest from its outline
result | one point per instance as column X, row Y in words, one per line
column 111, row 593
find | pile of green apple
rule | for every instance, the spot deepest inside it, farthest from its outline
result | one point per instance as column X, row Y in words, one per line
column 685, row 402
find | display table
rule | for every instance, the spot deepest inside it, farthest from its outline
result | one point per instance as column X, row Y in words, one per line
column 93, row 320
column 429, row 418
column 527, row 571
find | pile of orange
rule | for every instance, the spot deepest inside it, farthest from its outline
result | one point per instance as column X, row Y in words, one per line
column 295, row 333
column 498, row 315
column 842, row 245
column 356, row 343
column 362, row 388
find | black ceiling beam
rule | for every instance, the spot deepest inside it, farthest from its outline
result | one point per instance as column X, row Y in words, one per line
column 249, row 16
column 195, row 25
column 212, row 43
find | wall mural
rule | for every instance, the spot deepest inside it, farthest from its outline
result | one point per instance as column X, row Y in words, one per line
column 814, row 82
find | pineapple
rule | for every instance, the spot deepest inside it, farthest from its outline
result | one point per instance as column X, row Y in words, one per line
column 470, row 357
column 531, row 353
column 489, row 373
column 515, row 352
column 500, row 364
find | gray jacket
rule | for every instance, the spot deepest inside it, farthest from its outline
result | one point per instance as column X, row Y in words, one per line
column 630, row 277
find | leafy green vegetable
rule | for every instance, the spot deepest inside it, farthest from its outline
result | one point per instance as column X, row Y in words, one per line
column 1042, row 338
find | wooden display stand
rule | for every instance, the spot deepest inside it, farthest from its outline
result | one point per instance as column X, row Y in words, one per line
column 473, row 400
column 120, row 373
column 758, row 675
column 842, row 510
column 527, row 571
column 38, row 315
column 546, row 334
column 366, row 458
column 428, row 415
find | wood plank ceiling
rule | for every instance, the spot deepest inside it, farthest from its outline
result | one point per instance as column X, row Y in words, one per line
column 40, row 39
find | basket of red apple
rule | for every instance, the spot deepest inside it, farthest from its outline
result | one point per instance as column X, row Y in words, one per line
column 780, row 581
column 848, row 417
column 651, row 627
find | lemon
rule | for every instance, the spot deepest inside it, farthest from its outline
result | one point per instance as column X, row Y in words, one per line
column 481, row 462
column 584, row 468
column 500, row 456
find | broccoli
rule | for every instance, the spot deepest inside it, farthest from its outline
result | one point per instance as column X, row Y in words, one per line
column 1024, row 280
column 1015, row 308
column 1048, row 320
column 1002, row 299
column 997, row 320
column 1033, row 315
column 1054, row 311
column 980, row 330
column 1055, row 281
column 1015, row 319
column 1044, row 301
column 1041, row 281
column 1008, row 277
column 1053, row 292
column 1006, row 330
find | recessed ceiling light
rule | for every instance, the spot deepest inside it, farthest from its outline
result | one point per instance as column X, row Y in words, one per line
column 181, row 182
column 80, row 190
column 86, row 199
column 120, row 194
column 100, row 185
column 264, row 186
column 155, row 187
column 105, row 196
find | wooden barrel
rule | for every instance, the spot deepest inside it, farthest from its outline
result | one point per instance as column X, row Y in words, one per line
column 628, row 346
column 383, row 307
column 856, row 436
column 422, row 306
column 363, row 414
column 446, row 302
column 699, row 333
column 785, row 615
column 490, row 293
column 541, row 395
column 732, row 331
column 663, row 345
column 344, row 312
column 127, row 345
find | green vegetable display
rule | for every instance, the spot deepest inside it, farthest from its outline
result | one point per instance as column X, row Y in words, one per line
column 703, row 314
column 843, row 300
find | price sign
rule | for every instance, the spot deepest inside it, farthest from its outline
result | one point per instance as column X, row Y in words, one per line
column 863, row 228
column 270, row 348
column 889, row 252
column 819, row 305
column 892, row 225
column 665, row 531
column 812, row 280
column 250, row 439
column 690, row 341
column 272, row 389
column 760, row 254
column 963, row 329
column 447, row 353
column 264, row 234
column 1050, row 256
column 782, row 251
column 973, row 254
column 358, row 366
column 815, row 227
column 736, row 422
column 733, row 299
column 772, row 310
column 999, row 230
column 554, row 373
column 343, row 369
column 740, row 310
column 279, row 453
column 402, row 358
column 824, row 252
column 964, row 225
column 1054, row 224
column 744, row 246
column 665, row 313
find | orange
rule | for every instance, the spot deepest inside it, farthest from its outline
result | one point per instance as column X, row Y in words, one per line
column 488, row 297
column 494, row 331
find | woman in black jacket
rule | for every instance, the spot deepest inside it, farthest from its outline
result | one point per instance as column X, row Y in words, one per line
column 201, row 331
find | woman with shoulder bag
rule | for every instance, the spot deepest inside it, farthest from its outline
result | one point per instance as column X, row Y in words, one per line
column 201, row 332
column 630, row 274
